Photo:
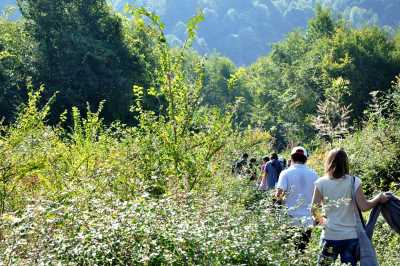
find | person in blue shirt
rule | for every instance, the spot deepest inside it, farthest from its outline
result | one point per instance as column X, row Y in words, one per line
column 273, row 169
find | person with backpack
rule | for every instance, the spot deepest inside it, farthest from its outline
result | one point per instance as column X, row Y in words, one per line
column 283, row 163
column 273, row 169
column 239, row 167
column 295, row 188
column 334, row 192
column 252, row 169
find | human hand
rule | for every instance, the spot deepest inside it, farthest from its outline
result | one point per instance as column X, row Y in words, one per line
column 322, row 220
column 319, row 221
column 384, row 197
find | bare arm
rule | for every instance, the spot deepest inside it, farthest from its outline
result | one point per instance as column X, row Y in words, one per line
column 365, row 204
column 316, row 207
column 279, row 193
column 262, row 176
column 281, row 187
column 259, row 179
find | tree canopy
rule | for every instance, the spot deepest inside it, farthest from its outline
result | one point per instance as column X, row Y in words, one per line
column 83, row 50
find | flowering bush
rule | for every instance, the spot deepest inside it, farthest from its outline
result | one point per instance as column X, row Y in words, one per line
column 209, row 230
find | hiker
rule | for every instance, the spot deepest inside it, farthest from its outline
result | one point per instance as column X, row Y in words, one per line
column 272, row 169
column 252, row 169
column 283, row 163
column 296, row 184
column 333, row 191
column 264, row 161
column 262, row 180
column 239, row 166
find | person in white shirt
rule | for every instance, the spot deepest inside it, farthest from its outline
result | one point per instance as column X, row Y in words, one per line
column 296, row 186
column 333, row 192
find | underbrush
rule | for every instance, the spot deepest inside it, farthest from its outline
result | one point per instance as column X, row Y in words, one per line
column 96, row 195
column 236, row 226
column 373, row 150
column 214, row 229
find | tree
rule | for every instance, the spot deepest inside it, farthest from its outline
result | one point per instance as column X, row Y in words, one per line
column 216, row 88
column 322, row 25
column 83, row 55
column 371, row 63
column 290, row 85
column 17, row 65
column 332, row 120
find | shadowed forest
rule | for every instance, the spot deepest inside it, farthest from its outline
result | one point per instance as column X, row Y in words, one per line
column 118, row 132
column 246, row 30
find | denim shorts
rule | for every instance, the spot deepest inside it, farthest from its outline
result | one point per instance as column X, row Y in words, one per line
column 332, row 248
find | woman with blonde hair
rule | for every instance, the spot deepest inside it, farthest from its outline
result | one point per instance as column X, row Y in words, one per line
column 333, row 192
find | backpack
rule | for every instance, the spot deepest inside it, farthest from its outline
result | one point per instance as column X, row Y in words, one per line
column 277, row 166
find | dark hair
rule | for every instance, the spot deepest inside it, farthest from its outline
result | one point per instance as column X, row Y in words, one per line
column 274, row 156
column 298, row 158
column 245, row 155
column 265, row 158
column 253, row 160
column 336, row 163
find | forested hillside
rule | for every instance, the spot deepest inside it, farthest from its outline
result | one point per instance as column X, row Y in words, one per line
column 86, row 54
column 245, row 30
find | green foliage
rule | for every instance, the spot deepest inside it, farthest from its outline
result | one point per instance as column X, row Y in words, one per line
column 91, row 190
column 23, row 151
column 87, row 55
column 375, row 147
column 244, row 31
column 210, row 231
column 17, row 65
column 332, row 120
column 181, row 142
column 297, row 75
column 216, row 92
column 373, row 150
column 301, row 72
column 322, row 25
column 192, row 28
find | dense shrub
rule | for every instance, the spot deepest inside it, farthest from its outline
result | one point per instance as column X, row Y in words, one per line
column 210, row 230
column 373, row 150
